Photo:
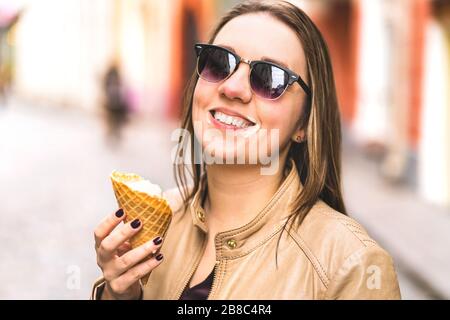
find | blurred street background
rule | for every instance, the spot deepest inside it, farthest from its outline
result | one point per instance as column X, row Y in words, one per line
column 89, row 86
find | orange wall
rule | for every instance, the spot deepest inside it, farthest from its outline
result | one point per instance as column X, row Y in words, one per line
column 339, row 27
column 203, row 12
column 420, row 11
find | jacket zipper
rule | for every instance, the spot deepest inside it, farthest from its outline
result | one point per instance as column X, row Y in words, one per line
column 214, row 284
column 194, row 267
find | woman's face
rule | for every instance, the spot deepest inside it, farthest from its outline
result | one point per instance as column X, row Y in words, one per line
column 253, row 37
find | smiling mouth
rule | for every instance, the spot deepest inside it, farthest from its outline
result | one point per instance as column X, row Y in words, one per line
column 231, row 121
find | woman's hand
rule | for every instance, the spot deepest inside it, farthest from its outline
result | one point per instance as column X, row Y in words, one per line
column 122, row 267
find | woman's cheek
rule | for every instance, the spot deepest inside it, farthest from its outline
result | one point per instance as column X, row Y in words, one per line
column 279, row 128
column 200, row 103
column 201, row 100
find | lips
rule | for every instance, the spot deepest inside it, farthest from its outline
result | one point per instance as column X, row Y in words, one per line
column 233, row 114
column 250, row 128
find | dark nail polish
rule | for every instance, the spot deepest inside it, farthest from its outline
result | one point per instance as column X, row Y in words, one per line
column 135, row 223
column 157, row 240
column 159, row 257
column 119, row 213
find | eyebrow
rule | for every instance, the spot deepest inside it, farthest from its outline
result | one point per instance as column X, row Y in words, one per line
column 264, row 58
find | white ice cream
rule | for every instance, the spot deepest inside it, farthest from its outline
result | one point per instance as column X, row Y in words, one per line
column 146, row 187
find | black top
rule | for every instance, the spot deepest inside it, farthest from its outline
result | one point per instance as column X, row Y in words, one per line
column 199, row 291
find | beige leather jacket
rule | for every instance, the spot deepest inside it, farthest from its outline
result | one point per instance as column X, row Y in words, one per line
column 330, row 256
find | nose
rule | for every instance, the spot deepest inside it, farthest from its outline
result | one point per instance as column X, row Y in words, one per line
column 237, row 86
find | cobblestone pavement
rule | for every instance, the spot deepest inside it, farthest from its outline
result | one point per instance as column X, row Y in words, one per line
column 54, row 167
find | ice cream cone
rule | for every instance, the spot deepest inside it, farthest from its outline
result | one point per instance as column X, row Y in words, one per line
column 143, row 200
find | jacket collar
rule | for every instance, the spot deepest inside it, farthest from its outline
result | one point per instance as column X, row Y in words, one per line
column 240, row 241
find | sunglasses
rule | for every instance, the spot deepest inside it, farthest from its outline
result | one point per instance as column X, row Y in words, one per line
column 267, row 80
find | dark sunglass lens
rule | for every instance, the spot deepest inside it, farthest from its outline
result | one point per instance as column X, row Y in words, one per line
column 268, row 81
column 215, row 64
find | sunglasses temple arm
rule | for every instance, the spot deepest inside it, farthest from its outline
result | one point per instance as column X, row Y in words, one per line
column 304, row 86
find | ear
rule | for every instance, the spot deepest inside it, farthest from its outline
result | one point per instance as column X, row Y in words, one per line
column 298, row 136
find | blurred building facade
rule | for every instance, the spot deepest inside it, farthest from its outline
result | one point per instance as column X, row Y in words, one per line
column 64, row 47
column 391, row 60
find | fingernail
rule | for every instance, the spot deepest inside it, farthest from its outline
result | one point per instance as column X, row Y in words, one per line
column 157, row 240
column 159, row 257
column 119, row 213
column 135, row 223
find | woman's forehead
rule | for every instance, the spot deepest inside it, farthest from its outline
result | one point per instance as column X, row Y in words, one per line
column 254, row 36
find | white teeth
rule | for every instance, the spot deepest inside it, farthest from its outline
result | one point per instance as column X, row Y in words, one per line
column 230, row 120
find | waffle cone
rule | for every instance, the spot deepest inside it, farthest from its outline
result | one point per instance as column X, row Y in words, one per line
column 154, row 212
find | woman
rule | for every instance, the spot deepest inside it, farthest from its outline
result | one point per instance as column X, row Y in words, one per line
column 239, row 232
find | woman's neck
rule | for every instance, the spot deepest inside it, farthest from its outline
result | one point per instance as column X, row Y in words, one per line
column 236, row 193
